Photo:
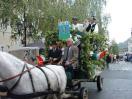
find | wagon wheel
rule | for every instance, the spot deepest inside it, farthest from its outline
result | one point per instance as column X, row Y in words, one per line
column 83, row 93
column 99, row 83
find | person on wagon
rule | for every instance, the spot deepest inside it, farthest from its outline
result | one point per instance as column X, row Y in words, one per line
column 92, row 25
column 40, row 58
column 54, row 54
column 70, row 57
column 70, row 61
column 76, row 26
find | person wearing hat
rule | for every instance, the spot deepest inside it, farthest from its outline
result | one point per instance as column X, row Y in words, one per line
column 92, row 27
column 77, row 26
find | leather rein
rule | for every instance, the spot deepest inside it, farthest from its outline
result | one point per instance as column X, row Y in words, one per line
column 20, row 74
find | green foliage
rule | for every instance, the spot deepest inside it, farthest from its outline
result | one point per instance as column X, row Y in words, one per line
column 87, row 45
column 51, row 36
column 114, row 48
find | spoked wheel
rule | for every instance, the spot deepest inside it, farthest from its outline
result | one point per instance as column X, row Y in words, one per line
column 99, row 83
column 83, row 93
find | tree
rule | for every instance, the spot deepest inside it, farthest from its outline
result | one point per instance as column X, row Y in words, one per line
column 44, row 14
column 114, row 48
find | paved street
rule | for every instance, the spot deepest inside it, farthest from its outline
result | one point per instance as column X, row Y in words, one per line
column 117, row 83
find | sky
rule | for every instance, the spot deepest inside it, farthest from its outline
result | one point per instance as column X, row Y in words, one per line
column 121, row 19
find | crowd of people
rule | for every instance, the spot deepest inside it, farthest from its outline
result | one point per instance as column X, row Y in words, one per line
column 111, row 58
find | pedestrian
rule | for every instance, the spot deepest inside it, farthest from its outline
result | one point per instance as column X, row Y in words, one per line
column 114, row 59
column 117, row 57
column 108, row 60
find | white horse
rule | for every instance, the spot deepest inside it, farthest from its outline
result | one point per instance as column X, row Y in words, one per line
column 11, row 66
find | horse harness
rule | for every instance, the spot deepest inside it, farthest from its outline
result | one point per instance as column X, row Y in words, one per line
column 31, row 78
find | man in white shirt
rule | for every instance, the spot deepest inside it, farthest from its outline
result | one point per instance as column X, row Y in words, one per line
column 76, row 25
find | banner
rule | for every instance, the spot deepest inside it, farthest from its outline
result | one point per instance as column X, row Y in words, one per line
column 64, row 30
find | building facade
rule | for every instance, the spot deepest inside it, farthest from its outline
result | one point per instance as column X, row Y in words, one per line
column 6, row 43
column 130, row 45
column 125, row 47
